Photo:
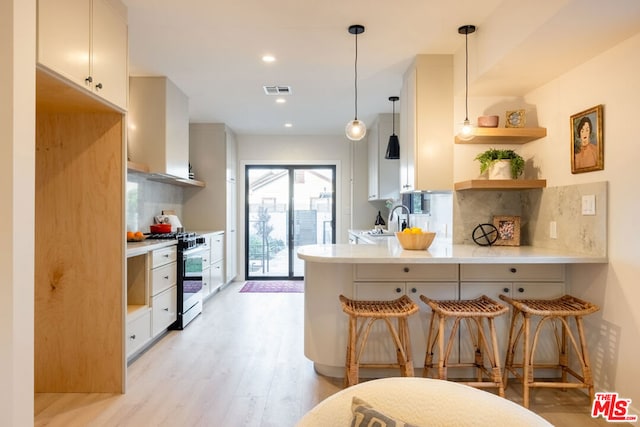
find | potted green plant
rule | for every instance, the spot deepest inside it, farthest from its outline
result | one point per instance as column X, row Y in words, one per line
column 491, row 157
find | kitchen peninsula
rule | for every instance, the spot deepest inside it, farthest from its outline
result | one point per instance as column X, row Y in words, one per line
column 444, row 271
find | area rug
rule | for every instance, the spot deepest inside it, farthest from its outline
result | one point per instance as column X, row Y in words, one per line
column 269, row 286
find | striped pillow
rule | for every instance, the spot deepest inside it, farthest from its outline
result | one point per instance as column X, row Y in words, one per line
column 365, row 416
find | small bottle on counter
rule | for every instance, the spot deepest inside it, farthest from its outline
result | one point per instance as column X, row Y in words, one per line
column 404, row 224
column 379, row 223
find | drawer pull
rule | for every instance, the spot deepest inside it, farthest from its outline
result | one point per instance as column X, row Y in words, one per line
column 513, row 270
column 505, row 290
column 166, row 255
column 406, row 269
column 521, row 290
column 132, row 337
column 166, row 277
column 166, row 309
column 398, row 290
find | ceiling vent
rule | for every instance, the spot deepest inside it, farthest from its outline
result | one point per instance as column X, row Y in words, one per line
column 277, row 90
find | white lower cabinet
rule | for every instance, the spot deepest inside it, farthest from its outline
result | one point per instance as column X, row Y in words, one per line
column 434, row 281
column 151, row 296
column 163, row 310
column 138, row 331
column 216, row 265
column 164, row 297
column 543, row 281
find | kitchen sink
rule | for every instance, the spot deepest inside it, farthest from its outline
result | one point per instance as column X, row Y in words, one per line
column 382, row 233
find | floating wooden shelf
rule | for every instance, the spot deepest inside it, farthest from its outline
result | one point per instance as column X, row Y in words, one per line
column 167, row 179
column 174, row 180
column 500, row 184
column 137, row 167
column 504, row 135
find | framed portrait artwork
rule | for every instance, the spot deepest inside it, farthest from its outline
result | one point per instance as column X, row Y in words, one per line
column 587, row 145
column 508, row 230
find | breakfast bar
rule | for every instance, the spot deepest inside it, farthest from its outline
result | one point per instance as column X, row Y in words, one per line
column 443, row 271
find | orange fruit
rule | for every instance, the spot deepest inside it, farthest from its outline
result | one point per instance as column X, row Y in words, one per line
column 130, row 235
column 138, row 234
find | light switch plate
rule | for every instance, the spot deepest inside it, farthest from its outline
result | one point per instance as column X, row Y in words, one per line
column 589, row 204
column 553, row 230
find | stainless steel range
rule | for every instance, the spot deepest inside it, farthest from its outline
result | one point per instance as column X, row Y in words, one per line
column 191, row 250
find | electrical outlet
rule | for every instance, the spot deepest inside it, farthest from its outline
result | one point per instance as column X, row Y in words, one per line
column 553, row 230
column 589, row 204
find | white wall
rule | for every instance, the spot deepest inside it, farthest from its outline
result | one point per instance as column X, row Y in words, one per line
column 609, row 79
column 17, row 195
column 332, row 150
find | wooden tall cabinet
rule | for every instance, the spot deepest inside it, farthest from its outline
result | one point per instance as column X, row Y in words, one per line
column 79, row 243
column 212, row 154
column 426, row 117
column 79, row 278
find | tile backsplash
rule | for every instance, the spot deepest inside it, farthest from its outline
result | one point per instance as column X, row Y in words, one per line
column 146, row 199
column 537, row 209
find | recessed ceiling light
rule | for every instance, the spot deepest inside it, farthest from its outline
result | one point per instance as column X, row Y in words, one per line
column 288, row 125
column 268, row 58
column 281, row 100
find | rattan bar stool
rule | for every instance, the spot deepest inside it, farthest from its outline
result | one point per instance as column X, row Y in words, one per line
column 474, row 312
column 550, row 311
column 368, row 312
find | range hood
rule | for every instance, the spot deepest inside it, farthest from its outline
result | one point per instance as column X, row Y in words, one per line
column 158, row 130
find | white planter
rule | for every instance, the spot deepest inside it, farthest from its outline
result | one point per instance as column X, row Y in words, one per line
column 500, row 170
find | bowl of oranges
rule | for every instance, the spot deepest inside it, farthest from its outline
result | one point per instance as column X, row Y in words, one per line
column 135, row 236
column 413, row 238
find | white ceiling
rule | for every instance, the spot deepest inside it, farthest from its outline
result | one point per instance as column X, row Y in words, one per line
column 212, row 50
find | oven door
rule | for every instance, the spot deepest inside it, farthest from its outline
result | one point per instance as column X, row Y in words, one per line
column 192, row 282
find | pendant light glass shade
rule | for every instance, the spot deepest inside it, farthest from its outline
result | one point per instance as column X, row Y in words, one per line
column 393, row 147
column 356, row 129
column 466, row 131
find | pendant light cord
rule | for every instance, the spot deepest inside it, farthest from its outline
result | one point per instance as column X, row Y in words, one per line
column 355, row 66
column 393, row 117
column 466, row 74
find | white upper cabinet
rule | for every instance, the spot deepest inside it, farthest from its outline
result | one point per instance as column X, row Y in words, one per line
column 213, row 154
column 158, row 133
column 426, row 117
column 86, row 42
column 383, row 173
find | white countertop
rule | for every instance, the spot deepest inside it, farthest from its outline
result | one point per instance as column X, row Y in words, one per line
column 441, row 253
column 141, row 248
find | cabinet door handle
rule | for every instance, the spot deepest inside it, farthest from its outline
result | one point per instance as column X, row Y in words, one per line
column 166, row 309
column 521, row 290
column 414, row 290
column 99, row 86
column 166, row 255
column 513, row 270
column 398, row 290
column 505, row 290
column 88, row 79
column 406, row 269
column 132, row 337
column 166, row 277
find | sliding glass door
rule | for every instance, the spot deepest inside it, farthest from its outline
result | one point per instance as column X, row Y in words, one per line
column 286, row 207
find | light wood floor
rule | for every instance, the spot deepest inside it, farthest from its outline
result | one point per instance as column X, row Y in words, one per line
column 240, row 363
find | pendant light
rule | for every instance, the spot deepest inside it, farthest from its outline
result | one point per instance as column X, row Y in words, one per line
column 466, row 132
column 393, row 148
column 356, row 129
